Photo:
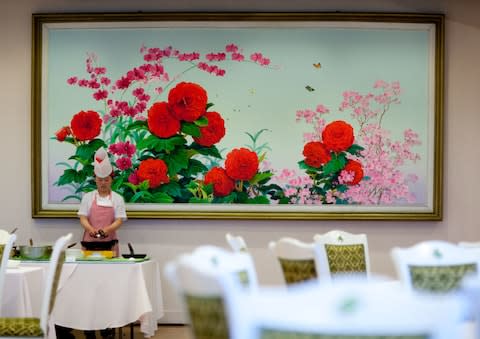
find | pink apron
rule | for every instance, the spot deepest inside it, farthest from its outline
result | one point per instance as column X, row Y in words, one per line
column 101, row 217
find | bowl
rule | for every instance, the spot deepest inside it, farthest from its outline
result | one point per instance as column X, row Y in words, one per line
column 36, row 252
column 73, row 254
column 134, row 256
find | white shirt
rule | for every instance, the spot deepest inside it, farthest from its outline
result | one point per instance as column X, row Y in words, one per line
column 117, row 201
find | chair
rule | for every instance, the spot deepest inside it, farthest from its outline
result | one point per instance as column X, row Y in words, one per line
column 4, row 236
column 237, row 243
column 434, row 266
column 340, row 253
column 206, row 280
column 297, row 259
column 349, row 310
column 5, row 250
column 34, row 327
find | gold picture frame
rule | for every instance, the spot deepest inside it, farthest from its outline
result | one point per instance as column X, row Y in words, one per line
column 289, row 75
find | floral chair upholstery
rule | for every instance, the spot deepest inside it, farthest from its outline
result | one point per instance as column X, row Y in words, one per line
column 340, row 253
column 435, row 266
column 37, row 327
column 296, row 260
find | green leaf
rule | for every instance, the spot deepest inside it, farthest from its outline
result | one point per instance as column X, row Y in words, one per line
column 131, row 186
column 258, row 200
column 68, row 176
column 194, row 167
column 304, row 166
column 260, row 177
column 176, row 161
column 144, row 185
column 334, row 165
column 160, row 144
column 207, row 151
column 80, row 159
column 172, row 189
column 355, row 149
column 209, row 104
column 199, row 200
column 190, row 129
column 75, row 197
column 201, row 122
column 138, row 125
column 161, row 198
column 137, row 196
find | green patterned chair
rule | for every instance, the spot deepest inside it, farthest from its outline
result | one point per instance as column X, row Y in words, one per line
column 351, row 309
column 296, row 259
column 37, row 327
column 5, row 248
column 435, row 266
column 339, row 253
column 205, row 280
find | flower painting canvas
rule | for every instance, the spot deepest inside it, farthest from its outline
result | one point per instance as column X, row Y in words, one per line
column 236, row 116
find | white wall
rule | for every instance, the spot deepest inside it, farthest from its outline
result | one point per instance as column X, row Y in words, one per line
column 164, row 239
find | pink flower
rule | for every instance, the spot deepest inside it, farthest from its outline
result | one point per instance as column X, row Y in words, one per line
column 232, row 48
column 100, row 95
column 133, row 178
column 123, row 163
column 255, row 57
column 238, row 57
column 72, row 80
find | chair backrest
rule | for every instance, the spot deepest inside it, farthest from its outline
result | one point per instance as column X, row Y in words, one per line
column 206, row 280
column 349, row 310
column 340, row 253
column 54, row 271
column 5, row 250
column 297, row 259
column 4, row 236
column 236, row 242
column 435, row 266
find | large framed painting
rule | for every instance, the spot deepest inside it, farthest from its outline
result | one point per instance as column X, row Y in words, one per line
column 241, row 115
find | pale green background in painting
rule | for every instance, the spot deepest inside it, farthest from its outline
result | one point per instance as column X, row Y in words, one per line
column 251, row 97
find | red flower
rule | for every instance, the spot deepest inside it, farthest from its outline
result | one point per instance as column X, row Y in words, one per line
column 161, row 122
column 338, row 136
column 222, row 184
column 188, row 101
column 356, row 168
column 241, row 164
column 62, row 133
column 153, row 170
column 316, row 154
column 86, row 125
column 213, row 132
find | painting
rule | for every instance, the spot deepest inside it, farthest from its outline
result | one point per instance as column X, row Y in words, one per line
column 241, row 115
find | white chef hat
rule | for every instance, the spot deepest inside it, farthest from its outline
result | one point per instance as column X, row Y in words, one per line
column 101, row 163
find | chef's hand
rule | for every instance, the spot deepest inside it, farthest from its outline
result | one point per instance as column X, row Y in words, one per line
column 92, row 232
column 101, row 234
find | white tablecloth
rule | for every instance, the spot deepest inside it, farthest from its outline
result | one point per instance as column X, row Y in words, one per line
column 22, row 295
column 100, row 295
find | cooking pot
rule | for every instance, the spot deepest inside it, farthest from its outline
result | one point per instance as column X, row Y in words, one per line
column 36, row 252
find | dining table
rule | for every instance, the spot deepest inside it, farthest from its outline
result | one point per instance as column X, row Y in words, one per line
column 22, row 297
column 109, row 293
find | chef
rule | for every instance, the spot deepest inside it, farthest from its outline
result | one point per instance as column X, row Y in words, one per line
column 102, row 211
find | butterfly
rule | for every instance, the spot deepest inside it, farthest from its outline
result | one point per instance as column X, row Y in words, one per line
column 309, row 88
column 317, row 65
